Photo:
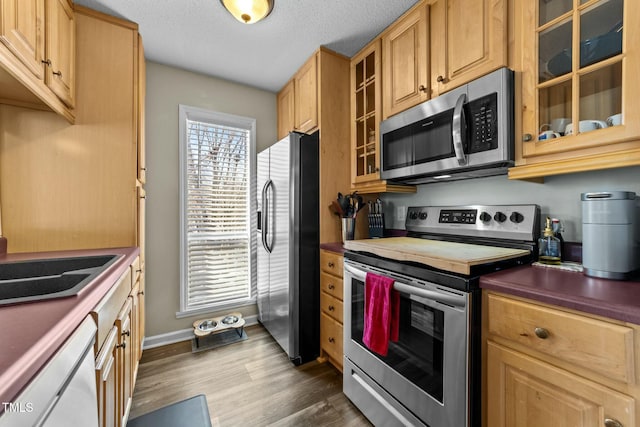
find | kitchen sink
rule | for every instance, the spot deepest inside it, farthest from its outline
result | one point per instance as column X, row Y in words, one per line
column 27, row 281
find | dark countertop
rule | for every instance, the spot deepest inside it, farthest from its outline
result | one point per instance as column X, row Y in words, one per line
column 614, row 299
column 336, row 247
column 32, row 332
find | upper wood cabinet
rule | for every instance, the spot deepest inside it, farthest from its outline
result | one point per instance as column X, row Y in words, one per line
column 468, row 40
column 37, row 55
column 21, row 30
column 366, row 111
column 366, row 84
column 317, row 98
column 286, row 110
column 597, row 88
column 61, row 50
column 75, row 186
column 140, row 105
column 405, row 65
column 298, row 100
column 306, row 96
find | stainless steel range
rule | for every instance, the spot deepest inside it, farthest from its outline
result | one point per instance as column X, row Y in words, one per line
column 430, row 376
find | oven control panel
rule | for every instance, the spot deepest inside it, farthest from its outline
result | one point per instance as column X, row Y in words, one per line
column 518, row 222
column 458, row 216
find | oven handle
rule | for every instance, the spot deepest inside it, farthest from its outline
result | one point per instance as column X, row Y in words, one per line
column 456, row 130
column 453, row 300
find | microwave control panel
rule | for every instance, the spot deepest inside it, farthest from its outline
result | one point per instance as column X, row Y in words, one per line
column 483, row 123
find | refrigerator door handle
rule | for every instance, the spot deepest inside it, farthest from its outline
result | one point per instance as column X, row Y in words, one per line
column 265, row 215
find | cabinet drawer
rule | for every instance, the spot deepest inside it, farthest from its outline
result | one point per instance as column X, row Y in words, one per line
column 331, row 262
column 593, row 344
column 331, row 285
column 331, row 337
column 107, row 310
column 331, row 306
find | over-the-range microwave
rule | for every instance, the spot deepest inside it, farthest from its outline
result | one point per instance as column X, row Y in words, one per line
column 465, row 133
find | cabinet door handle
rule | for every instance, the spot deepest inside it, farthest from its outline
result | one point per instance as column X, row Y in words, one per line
column 47, row 62
column 57, row 73
column 127, row 333
column 422, row 88
column 141, row 293
column 331, row 308
column 331, row 265
column 440, row 79
column 332, row 340
column 541, row 333
column 527, row 137
column 123, row 345
column 331, row 286
column 610, row 422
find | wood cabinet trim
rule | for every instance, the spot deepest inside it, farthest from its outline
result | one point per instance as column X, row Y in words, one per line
column 104, row 17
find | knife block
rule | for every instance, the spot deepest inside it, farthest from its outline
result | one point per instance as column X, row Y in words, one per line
column 376, row 225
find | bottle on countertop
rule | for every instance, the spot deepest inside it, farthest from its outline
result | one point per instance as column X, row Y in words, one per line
column 549, row 244
column 557, row 228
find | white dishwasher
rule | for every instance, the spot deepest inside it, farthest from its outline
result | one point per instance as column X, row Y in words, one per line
column 63, row 393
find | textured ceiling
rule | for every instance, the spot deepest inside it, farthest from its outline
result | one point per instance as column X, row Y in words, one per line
column 201, row 36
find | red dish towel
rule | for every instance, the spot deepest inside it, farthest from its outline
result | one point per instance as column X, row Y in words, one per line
column 381, row 313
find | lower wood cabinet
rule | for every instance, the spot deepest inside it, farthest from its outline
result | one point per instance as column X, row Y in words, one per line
column 527, row 392
column 331, row 308
column 331, row 339
column 119, row 348
column 551, row 366
column 125, row 361
column 107, row 380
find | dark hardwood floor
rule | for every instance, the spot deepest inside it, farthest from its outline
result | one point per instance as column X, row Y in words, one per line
column 249, row 383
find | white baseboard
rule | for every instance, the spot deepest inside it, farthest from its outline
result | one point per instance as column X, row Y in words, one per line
column 181, row 335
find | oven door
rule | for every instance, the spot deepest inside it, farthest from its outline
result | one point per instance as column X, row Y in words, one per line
column 426, row 370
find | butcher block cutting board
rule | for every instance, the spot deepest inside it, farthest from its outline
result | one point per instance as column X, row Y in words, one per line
column 448, row 256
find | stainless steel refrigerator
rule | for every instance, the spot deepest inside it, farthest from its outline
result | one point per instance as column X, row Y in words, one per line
column 288, row 244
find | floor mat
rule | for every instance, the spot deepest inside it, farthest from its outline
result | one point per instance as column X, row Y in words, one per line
column 217, row 340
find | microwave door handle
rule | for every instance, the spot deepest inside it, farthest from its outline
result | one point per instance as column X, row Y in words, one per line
column 456, row 130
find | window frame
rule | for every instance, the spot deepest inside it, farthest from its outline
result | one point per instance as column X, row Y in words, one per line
column 186, row 112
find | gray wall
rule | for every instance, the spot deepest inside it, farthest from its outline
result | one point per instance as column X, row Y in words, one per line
column 558, row 197
column 167, row 87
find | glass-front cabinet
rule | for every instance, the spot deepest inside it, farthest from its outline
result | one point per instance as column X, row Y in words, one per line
column 580, row 86
column 365, row 75
column 366, row 113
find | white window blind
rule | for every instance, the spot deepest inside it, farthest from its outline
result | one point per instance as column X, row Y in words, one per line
column 216, row 213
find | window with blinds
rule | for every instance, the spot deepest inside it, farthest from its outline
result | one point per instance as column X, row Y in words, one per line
column 216, row 212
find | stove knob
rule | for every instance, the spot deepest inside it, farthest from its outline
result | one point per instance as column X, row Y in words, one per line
column 516, row 217
column 413, row 215
column 500, row 217
column 423, row 215
column 485, row 217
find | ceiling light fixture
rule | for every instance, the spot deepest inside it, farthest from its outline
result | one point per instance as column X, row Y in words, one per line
column 248, row 11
